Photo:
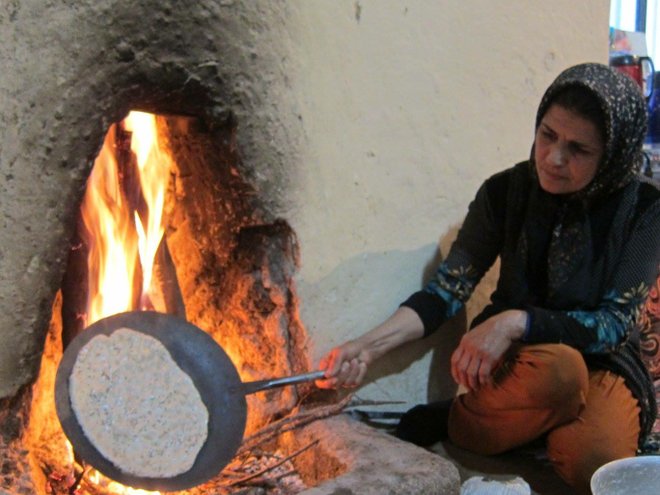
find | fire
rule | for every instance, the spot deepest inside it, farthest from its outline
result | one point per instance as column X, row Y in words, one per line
column 113, row 487
column 124, row 228
column 154, row 167
column 97, row 479
column 123, row 218
column 112, row 241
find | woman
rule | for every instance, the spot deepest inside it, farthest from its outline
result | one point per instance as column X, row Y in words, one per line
column 555, row 354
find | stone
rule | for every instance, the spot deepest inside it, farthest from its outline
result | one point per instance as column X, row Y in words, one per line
column 374, row 462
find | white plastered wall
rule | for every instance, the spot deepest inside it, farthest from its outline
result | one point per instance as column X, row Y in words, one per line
column 406, row 107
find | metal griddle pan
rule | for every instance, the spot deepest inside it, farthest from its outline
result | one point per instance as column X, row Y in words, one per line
column 210, row 369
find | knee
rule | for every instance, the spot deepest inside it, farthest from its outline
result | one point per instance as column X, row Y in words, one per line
column 562, row 368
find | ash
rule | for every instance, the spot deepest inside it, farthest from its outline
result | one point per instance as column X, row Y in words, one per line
column 259, row 473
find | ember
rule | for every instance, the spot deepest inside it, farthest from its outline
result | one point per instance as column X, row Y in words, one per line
column 273, row 472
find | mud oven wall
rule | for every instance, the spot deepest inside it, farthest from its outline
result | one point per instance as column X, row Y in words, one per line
column 73, row 70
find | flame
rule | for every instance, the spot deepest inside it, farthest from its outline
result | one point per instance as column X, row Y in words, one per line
column 69, row 452
column 121, row 233
column 154, row 166
column 118, row 234
column 111, row 238
column 113, row 487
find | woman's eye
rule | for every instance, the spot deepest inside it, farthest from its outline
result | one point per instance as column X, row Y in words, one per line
column 578, row 150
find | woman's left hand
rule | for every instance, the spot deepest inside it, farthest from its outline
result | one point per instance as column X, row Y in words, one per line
column 481, row 349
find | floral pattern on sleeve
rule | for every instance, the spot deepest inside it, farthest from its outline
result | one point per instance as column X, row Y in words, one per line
column 454, row 285
column 612, row 321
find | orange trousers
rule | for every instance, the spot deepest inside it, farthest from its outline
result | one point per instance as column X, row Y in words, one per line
column 589, row 417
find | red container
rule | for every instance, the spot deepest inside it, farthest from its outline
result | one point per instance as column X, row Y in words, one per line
column 640, row 69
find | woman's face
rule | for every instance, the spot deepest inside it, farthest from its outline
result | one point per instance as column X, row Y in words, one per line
column 567, row 149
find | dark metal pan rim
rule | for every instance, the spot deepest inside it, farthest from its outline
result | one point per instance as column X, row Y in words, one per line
column 210, row 369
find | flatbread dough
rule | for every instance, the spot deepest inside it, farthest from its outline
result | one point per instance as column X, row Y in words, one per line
column 136, row 406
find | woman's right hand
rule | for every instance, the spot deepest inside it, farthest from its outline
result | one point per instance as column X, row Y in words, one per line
column 344, row 366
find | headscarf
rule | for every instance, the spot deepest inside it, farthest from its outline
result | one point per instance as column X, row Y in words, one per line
column 578, row 236
column 624, row 111
column 558, row 228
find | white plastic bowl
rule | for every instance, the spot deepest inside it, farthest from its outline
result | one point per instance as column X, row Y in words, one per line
column 632, row 475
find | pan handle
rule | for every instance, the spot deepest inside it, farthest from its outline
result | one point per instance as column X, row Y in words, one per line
column 256, row 386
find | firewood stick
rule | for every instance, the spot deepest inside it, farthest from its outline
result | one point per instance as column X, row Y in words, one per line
column 290, row 423
column 270, row 468
column 129, row 172
column 165, row 278
column 270, row 480
column 369, row 402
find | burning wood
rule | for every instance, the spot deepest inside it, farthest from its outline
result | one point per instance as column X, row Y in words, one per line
column 292, row 422
column 270, row 471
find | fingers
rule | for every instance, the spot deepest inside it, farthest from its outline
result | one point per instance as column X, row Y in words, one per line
column 332, row 362
column 362, row 372
column 341, row 370
column 326, row 383
column 455, row 360
column 485, row 373
column 470, row 368
column 354, row 372
column 463, row 368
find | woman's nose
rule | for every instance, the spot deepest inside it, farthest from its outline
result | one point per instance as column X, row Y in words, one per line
column 558, row 155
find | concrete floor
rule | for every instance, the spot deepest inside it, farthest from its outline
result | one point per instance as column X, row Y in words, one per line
column 528, row 464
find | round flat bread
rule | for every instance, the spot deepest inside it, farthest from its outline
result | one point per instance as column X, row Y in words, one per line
column 136, row 406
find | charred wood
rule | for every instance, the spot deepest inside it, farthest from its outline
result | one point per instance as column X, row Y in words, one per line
column 166, row 283
column 75, row 287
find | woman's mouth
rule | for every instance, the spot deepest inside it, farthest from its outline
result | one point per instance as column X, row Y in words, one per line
column 553, row 176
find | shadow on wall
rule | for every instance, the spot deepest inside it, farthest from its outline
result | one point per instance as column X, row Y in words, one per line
column 356, row 288
column 440, row 344
column 440, row 384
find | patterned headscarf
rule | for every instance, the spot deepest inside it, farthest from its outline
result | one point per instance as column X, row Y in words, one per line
column 558, row 227
column 624, row 110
